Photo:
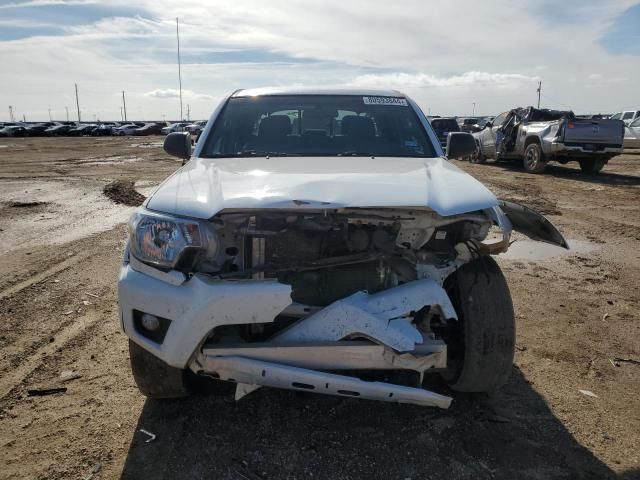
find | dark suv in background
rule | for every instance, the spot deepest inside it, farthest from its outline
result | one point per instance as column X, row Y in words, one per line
column 442, row 127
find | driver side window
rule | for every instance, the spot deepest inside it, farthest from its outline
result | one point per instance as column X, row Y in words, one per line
column 499, row 120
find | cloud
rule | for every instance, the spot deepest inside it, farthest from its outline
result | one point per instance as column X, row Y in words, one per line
column 424, row 80
column 446, row 55
column 175, row 93
column 43, row 3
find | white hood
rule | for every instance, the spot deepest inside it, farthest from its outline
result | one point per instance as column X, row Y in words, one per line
column 204, row 187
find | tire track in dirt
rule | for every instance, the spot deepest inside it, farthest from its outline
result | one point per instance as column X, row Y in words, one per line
column 14, row 377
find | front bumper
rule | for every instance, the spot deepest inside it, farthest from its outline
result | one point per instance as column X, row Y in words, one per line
column 195, row 308
column 298, row 357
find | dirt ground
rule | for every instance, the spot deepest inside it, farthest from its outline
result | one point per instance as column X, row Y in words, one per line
column 61, row 241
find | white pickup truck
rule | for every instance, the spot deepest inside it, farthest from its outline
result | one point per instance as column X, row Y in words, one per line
column 316, row 236
column 628, row 116
column 539, row 136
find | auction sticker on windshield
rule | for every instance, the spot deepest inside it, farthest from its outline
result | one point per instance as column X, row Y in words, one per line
column 385, row 101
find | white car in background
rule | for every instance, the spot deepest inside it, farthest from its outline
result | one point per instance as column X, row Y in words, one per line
column 128, row 129
column 174, row 127
column 196, row 127
column 628, row 116
column 632, row 135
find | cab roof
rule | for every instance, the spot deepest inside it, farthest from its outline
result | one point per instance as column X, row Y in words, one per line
column 256, row 92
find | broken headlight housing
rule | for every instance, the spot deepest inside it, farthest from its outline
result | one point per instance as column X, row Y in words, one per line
column 170, row 243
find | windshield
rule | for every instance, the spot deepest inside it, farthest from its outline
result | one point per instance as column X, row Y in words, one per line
column 329, row 125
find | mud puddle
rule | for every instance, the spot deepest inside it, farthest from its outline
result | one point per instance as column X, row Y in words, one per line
column 55, row 212
column 532, row 250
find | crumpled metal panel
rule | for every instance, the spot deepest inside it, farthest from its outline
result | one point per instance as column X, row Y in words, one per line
column 382, row 317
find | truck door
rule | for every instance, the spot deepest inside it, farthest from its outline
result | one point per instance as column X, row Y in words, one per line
column 489, row 135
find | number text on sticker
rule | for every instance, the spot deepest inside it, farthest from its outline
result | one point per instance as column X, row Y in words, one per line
column 385, row 101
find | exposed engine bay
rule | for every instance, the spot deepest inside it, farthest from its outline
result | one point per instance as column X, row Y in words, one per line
column 327, row 256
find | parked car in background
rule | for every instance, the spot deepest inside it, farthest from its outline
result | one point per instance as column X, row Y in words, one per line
column 174, row 127
column 538, row 136
column 469, row 125
column 104, row 129
column 196, row 128
column 149, row 129
column 82, row 130
column 632, row 135
column 127, row 129
column 628, row 116
column 39, row 129
column 57, row 130
column 443, row 126
column 13, row 131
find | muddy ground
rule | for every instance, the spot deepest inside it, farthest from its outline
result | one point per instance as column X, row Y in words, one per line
column 60, row 247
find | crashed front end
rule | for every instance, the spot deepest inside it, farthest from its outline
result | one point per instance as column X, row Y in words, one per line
column 304, row 299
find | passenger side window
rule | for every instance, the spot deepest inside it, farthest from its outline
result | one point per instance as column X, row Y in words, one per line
column 627, row 115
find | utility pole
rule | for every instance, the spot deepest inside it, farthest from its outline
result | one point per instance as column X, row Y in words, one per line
column 24, row 118
column 539, row 90
column 188, row 113
column 49, row 114
column 77, row 102
column 179, row 67
column 67, row 109
column 11, row 113
column 124, row 105
column 473, row 113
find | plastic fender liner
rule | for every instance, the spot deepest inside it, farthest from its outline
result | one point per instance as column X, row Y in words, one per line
column 532, row 224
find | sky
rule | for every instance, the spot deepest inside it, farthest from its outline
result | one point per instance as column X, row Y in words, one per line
column 446, row 55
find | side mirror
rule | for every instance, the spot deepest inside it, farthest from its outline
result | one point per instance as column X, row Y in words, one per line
column 178, row 144
column 460, row 145
column 488, row 125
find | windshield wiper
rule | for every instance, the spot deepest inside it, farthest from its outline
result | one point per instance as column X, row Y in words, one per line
column 355, row 153
column 249, row 153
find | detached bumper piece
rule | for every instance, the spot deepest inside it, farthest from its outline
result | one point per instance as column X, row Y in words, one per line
column 256, row 372
column 299, row 357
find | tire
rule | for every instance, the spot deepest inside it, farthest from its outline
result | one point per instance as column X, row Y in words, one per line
column 481, row 343
column 533, row 160
column 156, row 379
column 592, row 165
column 478, row 157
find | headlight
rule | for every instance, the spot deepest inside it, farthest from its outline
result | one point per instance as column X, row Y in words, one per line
column 170, row 242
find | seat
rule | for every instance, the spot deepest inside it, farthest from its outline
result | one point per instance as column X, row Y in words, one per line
column 273, row 133
column 275, row 126
column 356, row 127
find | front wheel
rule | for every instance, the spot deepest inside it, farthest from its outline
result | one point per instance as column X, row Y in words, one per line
column 533, row 161
column 156, row 379
column 592, row 165
column 480, row 344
